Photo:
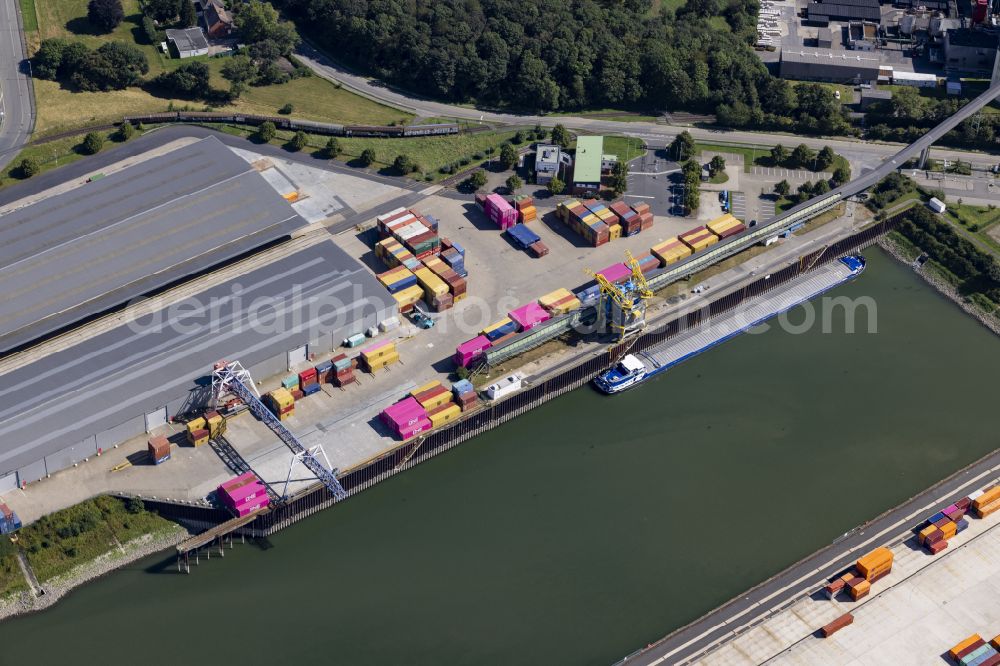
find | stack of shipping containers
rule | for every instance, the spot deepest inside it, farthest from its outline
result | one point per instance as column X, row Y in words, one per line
column 464, row 394
column 380, row 355
column 406, row 418
column 525, row 207
column 499, row 211
column 243, row 494
column 559, row 302
column 974, row 651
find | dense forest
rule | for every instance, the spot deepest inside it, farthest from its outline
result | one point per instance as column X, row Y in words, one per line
column 576, row 54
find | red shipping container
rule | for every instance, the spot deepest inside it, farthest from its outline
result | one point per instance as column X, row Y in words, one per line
column 538, row 249
column 937, row 546
column 838, row 624
column 970, row 649
column 297, row 394
column 964, row 503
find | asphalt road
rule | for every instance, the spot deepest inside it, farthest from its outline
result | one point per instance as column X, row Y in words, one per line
column 16, row 101
column 805, row 577
column 656, row 134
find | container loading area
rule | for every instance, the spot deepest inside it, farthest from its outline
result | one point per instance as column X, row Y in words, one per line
column 129, row 379
column 97, row 245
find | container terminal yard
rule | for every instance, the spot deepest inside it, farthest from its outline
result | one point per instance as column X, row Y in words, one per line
column 291, row 284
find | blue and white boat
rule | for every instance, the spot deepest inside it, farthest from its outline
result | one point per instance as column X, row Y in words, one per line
column 633, row 369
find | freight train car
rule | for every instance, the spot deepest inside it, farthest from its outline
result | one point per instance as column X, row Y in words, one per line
column 283, row 122
column 373, row 131
column 430, row 130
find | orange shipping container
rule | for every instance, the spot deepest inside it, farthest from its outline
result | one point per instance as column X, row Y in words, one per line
column 996, row 642
column 874, row 562
column 953, row 653
column 950, row 529
column 988, row 497
column 988, row 509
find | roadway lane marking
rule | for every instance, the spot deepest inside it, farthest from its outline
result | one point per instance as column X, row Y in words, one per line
column 892, row 528
column 639, row 196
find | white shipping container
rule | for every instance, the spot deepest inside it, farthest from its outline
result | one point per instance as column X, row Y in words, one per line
column 504, row 387
column 389, row 215
column 936, row 205
column 410, row 230
column 389, row 324
column 916, row 79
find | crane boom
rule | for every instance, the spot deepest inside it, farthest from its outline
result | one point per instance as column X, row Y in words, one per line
column 233, row 378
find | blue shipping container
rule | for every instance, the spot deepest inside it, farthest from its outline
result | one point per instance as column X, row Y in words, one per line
column 961, row 525
column 978, row 656
column 407, row 281
column 523, row 236
column 589, row 294
column 936, row 517
column 311, row 388
column 459, row 248
column 461, row 387
column 506, row 329
column 155, row 462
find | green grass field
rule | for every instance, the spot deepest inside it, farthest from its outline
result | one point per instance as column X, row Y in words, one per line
column 60, row 109
column 59, row 152
column 57, row 543
column 430, row 153
column 625, row 147
column 28, row 15
column 11, row 577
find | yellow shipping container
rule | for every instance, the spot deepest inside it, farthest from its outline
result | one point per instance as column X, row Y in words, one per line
column 570, row 304
column 721, row 224
column 953, row 653
column 701, row 242
column 988, row 497
column 197, row 424
column 215, row 424
column 495, row 325
column 614, row 231
column 443, row 414
column 926, row 532
column 874, row 562
column 554, row 296
column 382, row 350
column 433, row 403
column 670, row 251
column 282, row 397
column 995, row 642
column 426, row 387
column 393, row 275
column 950, row 529
column 408, row 296
column 383, row 361
column 432, row 284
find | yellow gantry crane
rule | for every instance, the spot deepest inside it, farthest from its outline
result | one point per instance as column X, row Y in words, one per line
column 623, row 306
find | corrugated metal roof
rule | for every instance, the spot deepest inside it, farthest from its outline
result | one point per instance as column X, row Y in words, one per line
column 130, row 370
column 844, row 12
column 99, row 245
column 587, row 167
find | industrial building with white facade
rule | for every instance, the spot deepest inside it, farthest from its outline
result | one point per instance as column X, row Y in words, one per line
column 198, row 231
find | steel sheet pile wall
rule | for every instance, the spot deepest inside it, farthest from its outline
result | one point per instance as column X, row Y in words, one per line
column 476, row 423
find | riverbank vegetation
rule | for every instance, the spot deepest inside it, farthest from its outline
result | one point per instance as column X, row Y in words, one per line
column 973, row 272
column 58, row 542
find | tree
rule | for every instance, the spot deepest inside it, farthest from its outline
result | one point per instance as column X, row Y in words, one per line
column 841, row 175
column 92, row 143
column 619, row 178
column 287, row 109
column 105, row 15
column 508, row 156
column 681, row 149
column 403, row 164
column 717, row 164
column 539, row 132
column 779, row 155
column 134, row 505
column 188, row 17
column 556, row 186
column 28, row 167
column 782, row 188
column 805, row 190
column 514, row 183
column 299, row 141
column 560, row 136
column 825, row 158
column 332, row 148
column 161, row 10
column 239, row 69
column 367, row 157
column 126, row 131
column 802, row 156
column 519, row 137
column 478, row 179
column 266, row 132
column 258, row 21
column 48, row 60
column 821, row 187
column 189, row 80
column 113, row 66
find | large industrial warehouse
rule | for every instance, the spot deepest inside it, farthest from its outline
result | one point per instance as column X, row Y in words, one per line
column 90, row 249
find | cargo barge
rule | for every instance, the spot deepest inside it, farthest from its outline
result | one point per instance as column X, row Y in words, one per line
column 633, row 369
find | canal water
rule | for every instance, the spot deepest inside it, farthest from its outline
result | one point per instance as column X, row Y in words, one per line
column 588, row 527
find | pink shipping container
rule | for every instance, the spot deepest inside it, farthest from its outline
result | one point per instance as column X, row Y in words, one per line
column 252, row 506
column 415, row 428
column 236, row 481
column 500, row 212
column 371, row 349
column 469, row 351
column 528, row 316
column 404, row 413
column 616, row 273
column 244, row 494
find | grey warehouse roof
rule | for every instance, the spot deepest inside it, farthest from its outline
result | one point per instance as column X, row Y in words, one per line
column 133, row 369
column 188, row 39
column 972, row 38
column 840, row 58
column 844, row 12
column 547, row 155
column 92, row 248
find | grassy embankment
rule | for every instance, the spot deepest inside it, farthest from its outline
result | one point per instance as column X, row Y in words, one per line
column 432, row 154
column 57, row 543
column 757, row 155
column 60, row 109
